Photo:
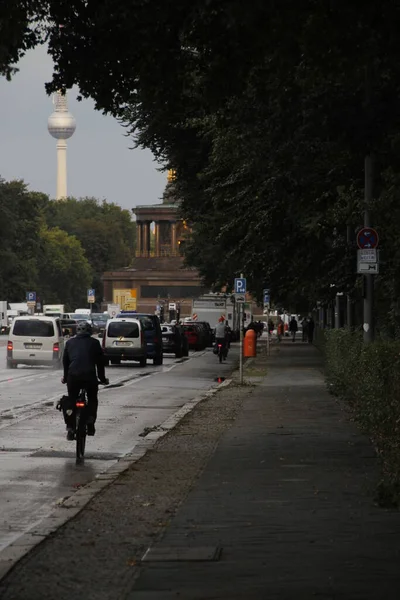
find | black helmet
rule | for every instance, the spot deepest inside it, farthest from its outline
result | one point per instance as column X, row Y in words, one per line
column 83, row 327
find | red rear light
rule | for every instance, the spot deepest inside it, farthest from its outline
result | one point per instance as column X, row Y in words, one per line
column 9, row 346
column 56, row 347
column 80, row 404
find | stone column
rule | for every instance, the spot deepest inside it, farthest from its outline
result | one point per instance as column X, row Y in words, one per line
column 157, row 237
column 146, row 239
column 173, row 238
column 138, row 238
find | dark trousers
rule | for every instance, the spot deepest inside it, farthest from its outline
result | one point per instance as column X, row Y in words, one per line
column 75, row 385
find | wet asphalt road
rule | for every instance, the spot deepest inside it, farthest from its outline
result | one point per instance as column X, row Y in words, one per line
column 37, row 464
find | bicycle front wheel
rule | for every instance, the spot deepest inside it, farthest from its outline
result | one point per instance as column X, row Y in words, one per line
column 80, row 439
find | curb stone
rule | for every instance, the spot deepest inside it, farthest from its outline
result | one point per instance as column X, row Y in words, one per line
column 67, row 508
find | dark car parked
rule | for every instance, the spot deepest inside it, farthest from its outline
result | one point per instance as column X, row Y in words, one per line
column 174, row 341
column 194, row 336
column 208, row 332
column 99, row 321
column 68, row 326
column 205, row 336
column 152, row 332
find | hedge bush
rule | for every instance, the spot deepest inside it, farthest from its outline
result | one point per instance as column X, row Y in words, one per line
column 367, row 377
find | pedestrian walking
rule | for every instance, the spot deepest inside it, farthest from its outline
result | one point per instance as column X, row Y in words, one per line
column 280, row 329
column 271, row 327
column 293, row 327
column 304, row 330
column 310, row 330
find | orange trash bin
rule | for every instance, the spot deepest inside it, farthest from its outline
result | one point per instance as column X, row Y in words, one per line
column 250, row 344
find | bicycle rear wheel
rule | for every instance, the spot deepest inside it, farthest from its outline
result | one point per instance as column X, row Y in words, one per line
column 80, row 438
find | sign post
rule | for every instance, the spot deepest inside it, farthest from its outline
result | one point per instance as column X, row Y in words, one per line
column 31, row 301
column 240, row 292
column 267, row 300
column 241, row 307
column 91, row 298
column 367, row 263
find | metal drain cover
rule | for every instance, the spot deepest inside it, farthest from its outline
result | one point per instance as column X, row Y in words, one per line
column 183, row 554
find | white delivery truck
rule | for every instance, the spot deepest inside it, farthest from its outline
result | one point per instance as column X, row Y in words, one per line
column 210, row 307
column 17, row 309
column 3, row 316
column 54, row 310
column 83, row 311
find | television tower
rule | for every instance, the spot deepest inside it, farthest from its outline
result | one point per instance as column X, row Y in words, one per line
column 61, row 125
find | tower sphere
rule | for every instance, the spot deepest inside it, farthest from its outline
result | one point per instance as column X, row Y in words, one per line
column 61, row 124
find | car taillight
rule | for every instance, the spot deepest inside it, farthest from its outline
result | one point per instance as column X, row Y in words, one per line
column 10, row 346
column 80, row 404
column 103, row 341
column 56, row 347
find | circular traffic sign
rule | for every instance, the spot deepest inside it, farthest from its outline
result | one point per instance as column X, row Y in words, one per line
column 367, row 237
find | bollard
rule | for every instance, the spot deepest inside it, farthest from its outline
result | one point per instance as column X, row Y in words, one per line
column 250, row 344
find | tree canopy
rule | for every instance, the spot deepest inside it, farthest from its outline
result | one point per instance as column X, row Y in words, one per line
column 20, row 221
column 105, row 231
column 266, row 112
column 64, row 273
column 59, row 248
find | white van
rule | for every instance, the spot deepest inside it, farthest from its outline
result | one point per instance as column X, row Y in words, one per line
column 35, row 341
column 123, row 339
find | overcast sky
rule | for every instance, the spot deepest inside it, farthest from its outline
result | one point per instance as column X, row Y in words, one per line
column 100, row 163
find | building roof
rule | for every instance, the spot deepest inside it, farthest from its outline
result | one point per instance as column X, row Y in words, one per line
column 156, row 206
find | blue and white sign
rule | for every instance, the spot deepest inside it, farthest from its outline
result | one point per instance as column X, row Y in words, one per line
column 31, row 296
column 91, row 296
column 266, row 297
column 240, row 285
column 91, row 292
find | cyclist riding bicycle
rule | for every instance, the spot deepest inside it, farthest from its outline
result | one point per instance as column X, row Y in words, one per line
column 221, row 336
column 82, row 356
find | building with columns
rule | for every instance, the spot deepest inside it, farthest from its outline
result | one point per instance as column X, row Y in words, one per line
column 157, row 275
column 168, row 231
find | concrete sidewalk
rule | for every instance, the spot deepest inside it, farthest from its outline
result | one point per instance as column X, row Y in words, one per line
column 263, row 492
column 287, row 498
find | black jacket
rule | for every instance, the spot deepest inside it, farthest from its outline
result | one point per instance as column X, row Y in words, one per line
column 82, row 355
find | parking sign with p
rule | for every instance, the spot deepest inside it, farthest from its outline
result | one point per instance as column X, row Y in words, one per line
column 240, row 285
